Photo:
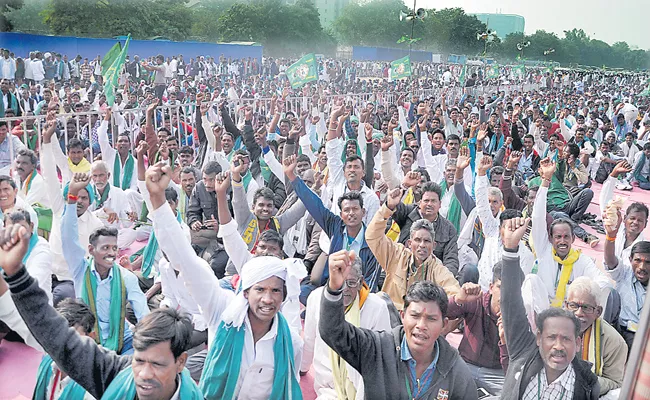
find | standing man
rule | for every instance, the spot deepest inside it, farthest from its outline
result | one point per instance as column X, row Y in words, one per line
column 159, row 80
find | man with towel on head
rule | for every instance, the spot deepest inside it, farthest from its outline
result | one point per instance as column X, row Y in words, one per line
column 254, row 349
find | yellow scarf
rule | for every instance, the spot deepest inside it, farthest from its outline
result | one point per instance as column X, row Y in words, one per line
column 565, row 275
column 344, row 388
column 394, row 231
column 82, row 167
column 592, row 347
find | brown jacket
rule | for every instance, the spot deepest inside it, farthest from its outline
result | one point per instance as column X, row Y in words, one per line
column 396, row 259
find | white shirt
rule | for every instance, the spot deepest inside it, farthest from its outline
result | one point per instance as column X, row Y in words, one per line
column 109, row 154
column 117, row 202
column 39, row 265
column 337, row 185
column 10, row 316
column 37, row 193
column 548, row 270
column 177, row 296
column 87, row 222
column 374, row 316
column 256, row 373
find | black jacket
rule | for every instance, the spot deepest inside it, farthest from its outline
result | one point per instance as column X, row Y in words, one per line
column 203, row 205
column 525, row 360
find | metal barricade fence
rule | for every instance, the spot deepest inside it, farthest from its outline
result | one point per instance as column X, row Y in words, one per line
column 180, row 119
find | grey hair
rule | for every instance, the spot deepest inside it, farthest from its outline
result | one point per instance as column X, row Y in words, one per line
column 423, row 224
column 496, row 192
column 583, row 284
column 101, row 165
column 451, row 163
column 357, row 267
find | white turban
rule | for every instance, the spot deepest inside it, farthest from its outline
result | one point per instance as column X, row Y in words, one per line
column 291, row 271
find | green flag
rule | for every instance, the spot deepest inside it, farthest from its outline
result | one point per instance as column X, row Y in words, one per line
column 493, row 72
column 400, row 68
column 110, row 57
column 463, row 76
column 519, row 71
column 113, row 73
column 303, row 71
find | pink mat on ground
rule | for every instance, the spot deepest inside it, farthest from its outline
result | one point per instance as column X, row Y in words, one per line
column 18, row 362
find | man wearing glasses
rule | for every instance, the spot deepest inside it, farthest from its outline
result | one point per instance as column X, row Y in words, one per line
column 333, row 377
column 602, row 346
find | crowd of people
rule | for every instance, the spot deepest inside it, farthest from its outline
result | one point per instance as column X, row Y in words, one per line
column 192, row 241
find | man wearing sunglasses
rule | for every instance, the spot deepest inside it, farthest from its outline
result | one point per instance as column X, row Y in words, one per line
column 602, row 346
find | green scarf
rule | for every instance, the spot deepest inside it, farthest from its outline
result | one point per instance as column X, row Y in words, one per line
column 100, row 198
column 128, row 171
column 115, row 339
column 638, row 168
column 265, row 170
column 123, row 387
column 29, row 180
column 455, row 210
column 221, row 368
column 32, row 243
column 246, row 180
column 149, row 253
column 72, row 391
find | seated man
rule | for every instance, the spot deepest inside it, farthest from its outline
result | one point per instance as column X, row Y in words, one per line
column 32, row 188
column 188, row 182
column 62, row 281
column 74, row 162
column 246, row 331
column 483, row 344
column 413, row 359
column 558, row 263
column 542, row 364
column 159, row 339
column 10, row 201
column 112, row 205
column 50, row 379
column 641, row 171
column 575, row 173
column 631, row 276
column 406, row 264
column 333, row 377
column 602, row 346
column 100, row 281
column 119, row 160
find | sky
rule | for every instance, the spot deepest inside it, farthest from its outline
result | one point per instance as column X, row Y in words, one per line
column 604, row 20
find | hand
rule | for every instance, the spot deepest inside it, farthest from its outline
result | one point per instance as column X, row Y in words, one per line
column 294, row 133
column 482, row 132
column 469, row 292
column 508, row 141
column 142, row 149
column 133, row 216
column 502, row 331
column 612, row 230
column 152, row 106
column 621, row 168
column 125, row 263
column 211, row 223
column 50, row 127
column 196, row 226
column 222, row 182
column 463, row 159
column 547, row 168
column 237, row 167
column 157, row 179
column 422, row 123
column 289, row 167
column 412, row 178
column 13, row 247
column 394, row 198
column 107, row 116
column 513, row 160
column 560, row 150
column 79, row 181
column 514, row 231
column 248, row 113
column 485, row 164
column 204, row 108
column 387, row 141
column 315, row 120
column 340, row 264
column 368, row 131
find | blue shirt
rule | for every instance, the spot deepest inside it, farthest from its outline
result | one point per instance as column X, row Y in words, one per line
column 416, row 387
column 75, row 256
column 356, row 242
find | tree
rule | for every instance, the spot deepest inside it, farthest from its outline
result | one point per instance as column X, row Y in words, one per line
column 375, row 23
column 29, row 18
column 205, row 19
column 5, row 7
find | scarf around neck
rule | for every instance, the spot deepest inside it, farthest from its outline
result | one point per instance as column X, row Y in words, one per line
column 72, row 391
column 128, row 171
column 592, row 350
column 565, row 275
column 123, row 387
column 82, row 167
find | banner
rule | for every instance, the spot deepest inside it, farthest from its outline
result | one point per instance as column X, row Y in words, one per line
column 303, row 71
column 110, row 57
column 113, row 73
column 400, row 68
column 492, row 72
column 463, row 76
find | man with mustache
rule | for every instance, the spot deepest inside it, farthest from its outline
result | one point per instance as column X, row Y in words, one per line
column 558, row 263
column 542, row 364
column 100, row 281
column 119, row 160
column 602, row 345
column 32, row 184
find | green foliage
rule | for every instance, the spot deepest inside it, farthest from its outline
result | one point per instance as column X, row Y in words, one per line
column 575, row 48
column 106, row 18
column 7, row 6
column 28, row 18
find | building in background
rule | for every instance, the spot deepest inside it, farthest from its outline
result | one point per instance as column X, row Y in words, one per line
column 504, row 24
